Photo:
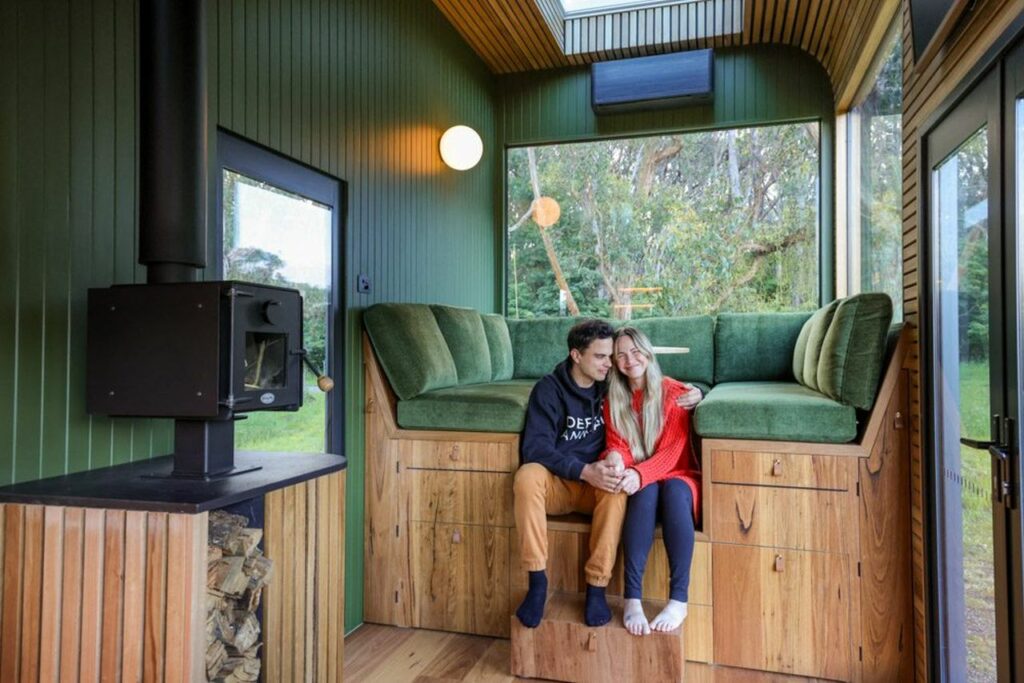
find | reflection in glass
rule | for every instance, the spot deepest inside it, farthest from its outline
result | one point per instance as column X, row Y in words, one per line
column 265, row 356
column 274, row 237
column 876, row 184
column 962, row 347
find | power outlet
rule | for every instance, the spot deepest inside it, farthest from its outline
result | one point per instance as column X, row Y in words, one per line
column 363, row 285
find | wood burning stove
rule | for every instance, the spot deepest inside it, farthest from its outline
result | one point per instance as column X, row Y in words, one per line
column 202, row 353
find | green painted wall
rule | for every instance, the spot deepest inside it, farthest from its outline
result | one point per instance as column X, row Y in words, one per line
column 361, row 89
column 753, row 85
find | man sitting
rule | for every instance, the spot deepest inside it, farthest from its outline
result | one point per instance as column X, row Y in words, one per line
column 563, row 436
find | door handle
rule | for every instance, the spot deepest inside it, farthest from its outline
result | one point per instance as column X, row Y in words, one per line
column 975, row 443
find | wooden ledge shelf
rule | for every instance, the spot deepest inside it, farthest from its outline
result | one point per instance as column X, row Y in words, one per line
column 563, row 648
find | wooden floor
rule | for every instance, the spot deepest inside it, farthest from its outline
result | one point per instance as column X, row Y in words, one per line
column 386, row 654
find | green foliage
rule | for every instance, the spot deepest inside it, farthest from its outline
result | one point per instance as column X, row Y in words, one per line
column 671, row 225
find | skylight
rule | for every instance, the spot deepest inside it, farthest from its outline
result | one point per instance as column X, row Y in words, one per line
column 595, row 6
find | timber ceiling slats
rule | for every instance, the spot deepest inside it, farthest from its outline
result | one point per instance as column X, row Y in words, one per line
column 524, row 35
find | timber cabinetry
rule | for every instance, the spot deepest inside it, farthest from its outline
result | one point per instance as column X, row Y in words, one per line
column 801, row 567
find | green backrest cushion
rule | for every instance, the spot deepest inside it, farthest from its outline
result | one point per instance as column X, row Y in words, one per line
column 756, row 346
column 697, row 332
column 499, row 343
column 812, row 334
column 463, row 331
column 538, row 345
column 410, row 348
column 854, row 349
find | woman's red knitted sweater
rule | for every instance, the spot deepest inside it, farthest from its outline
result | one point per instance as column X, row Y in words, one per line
column 673, row 456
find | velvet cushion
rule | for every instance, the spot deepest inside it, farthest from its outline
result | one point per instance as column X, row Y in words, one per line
column 493, row 407
column 463, row 331
column 538, row 345
column 499, row 343
column 756, row 346
column 854, row 349
column 777, row 411
column 410, row 348
column 697, row 332
column 817, row 327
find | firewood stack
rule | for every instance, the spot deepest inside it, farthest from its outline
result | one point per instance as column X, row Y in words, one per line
column 237, row 571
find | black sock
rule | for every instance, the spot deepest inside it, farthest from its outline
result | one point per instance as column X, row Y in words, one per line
column 532, row 610
column 596, row 612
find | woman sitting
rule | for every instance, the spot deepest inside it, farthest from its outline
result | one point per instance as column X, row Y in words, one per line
column 647, row 431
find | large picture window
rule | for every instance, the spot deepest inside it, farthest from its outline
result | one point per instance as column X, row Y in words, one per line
column 680, row 224
column 875, row 182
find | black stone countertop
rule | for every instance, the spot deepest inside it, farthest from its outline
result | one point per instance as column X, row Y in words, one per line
column 128, row 487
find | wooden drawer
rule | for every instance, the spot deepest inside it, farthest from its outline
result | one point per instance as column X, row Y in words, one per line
column 460, row 497
column 781, row 469
column 783, row 517
column 484, row 456
column 782, row 610
column 460, row 578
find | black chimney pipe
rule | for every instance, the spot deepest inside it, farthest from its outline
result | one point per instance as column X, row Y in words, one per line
column 172, row 139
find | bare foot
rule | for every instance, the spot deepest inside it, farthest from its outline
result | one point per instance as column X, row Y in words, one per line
column 634, row 619
column 670, row 618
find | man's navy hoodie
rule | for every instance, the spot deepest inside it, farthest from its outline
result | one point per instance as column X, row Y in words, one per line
column 564, row 424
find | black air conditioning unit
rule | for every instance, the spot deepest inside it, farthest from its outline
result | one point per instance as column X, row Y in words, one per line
column 656, row 82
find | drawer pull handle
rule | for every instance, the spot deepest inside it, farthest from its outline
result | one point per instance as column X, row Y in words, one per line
column 777, row 468
column 454, row 453
column 592, row 643
column 780, row 564
column 456, row 536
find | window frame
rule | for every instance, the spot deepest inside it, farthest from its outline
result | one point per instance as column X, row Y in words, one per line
column 255, row 161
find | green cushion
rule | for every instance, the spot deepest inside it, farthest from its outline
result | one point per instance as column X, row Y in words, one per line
column 776, row 411
column 854, row 349
column 463, row 331
column 410, row 348
column 494, row 407
column 499, row 344
column 696, row 332
column 756, row 346
column 538, row 345
column 815, row 327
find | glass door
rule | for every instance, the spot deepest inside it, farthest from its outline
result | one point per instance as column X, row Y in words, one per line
column 972, row 386
column 1013, row 70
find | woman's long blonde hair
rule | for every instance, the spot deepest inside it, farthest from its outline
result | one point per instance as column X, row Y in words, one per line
column 620, row 400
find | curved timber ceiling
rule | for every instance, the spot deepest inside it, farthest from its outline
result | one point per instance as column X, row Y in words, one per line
column 527, row 35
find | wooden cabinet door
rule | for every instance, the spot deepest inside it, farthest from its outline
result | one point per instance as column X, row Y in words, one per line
column 782, row 610
column 460, row 578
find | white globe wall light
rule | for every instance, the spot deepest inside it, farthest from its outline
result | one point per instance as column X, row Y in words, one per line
column 461, row 147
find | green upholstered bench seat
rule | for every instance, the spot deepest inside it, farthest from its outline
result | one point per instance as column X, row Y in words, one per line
column 776, row 411
column 491, row 407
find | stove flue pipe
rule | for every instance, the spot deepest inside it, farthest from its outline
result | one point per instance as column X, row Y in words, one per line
column 172, row 139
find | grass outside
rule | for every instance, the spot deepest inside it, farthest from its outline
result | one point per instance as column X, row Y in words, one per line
column 979, row 579
column 303, row 431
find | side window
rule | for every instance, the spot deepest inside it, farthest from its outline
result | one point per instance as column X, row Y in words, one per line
column 279, row 226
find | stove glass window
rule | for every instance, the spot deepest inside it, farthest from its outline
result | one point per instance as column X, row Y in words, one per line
column 265, row 358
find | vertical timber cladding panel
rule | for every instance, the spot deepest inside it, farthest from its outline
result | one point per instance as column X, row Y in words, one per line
column 886, row 593
column 304, row 603
column 923, row 92
column 76, row 603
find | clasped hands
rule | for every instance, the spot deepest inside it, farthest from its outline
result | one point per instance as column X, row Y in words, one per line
column 610, row 475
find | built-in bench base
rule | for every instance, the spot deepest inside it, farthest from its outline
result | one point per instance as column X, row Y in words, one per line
column 801, row 566
column 563, row 648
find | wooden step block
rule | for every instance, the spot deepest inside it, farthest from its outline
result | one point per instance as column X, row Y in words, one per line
column 563, row 648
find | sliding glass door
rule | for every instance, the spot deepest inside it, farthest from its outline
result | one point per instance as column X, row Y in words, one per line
column 972, row 351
